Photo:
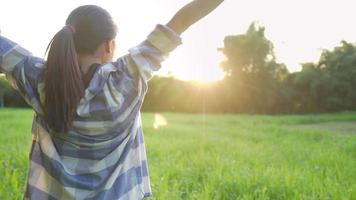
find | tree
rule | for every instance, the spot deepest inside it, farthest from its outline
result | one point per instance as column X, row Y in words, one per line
column 252, row 71
column 247, row 53
column 328, row 85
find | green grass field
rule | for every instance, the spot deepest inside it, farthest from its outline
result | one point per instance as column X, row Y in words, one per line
column 222, row 156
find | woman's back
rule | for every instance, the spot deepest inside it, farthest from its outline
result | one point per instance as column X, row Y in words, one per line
column 102, row 156
column 87, row 134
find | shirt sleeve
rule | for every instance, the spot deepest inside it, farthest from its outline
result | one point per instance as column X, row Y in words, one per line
column 148, row 55
column 22, row 70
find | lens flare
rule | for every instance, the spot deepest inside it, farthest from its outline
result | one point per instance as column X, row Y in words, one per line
column 160, row 121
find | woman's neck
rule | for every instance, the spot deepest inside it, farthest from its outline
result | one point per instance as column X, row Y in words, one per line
column 85, row 61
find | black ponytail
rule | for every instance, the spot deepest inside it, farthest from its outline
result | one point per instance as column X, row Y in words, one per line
column 87, row 27
column 63, row 81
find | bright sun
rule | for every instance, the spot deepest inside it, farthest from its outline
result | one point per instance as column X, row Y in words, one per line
column 207, row 75
column 184, row 67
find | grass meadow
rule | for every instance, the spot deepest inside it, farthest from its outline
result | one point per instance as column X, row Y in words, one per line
column 222, row 156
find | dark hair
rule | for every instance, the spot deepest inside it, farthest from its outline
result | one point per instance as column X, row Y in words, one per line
column 86, row 28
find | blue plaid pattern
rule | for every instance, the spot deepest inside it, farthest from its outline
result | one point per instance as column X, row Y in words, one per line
column 103, row 154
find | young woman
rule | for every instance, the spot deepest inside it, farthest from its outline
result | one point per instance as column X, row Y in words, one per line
column 87, row 136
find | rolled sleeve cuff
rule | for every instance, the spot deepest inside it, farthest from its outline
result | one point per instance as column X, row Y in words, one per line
column 164, row 39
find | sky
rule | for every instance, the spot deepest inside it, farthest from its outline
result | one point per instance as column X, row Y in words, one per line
column 299, row 30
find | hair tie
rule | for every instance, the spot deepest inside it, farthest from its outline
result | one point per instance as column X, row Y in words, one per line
column 70, row 27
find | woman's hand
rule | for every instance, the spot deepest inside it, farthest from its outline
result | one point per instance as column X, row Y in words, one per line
column 192, row 13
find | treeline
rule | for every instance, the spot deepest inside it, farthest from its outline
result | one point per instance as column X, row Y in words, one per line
column 256, row 83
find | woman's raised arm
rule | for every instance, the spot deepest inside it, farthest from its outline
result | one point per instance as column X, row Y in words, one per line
column 148, row 55
column 23, row 71
column 191, row 13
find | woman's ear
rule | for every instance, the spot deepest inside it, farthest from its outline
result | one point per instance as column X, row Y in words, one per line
column 110, row 46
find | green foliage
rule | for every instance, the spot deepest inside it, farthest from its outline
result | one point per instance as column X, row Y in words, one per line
column 329, row 84
column 4, row 86
column 173, row 95
column 8, row 96
column 222, row 156
column 247, row 53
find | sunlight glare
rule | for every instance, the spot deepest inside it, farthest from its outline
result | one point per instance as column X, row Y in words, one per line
column 197, row 58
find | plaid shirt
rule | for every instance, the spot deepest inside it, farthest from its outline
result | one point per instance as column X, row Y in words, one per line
column 103, row 154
